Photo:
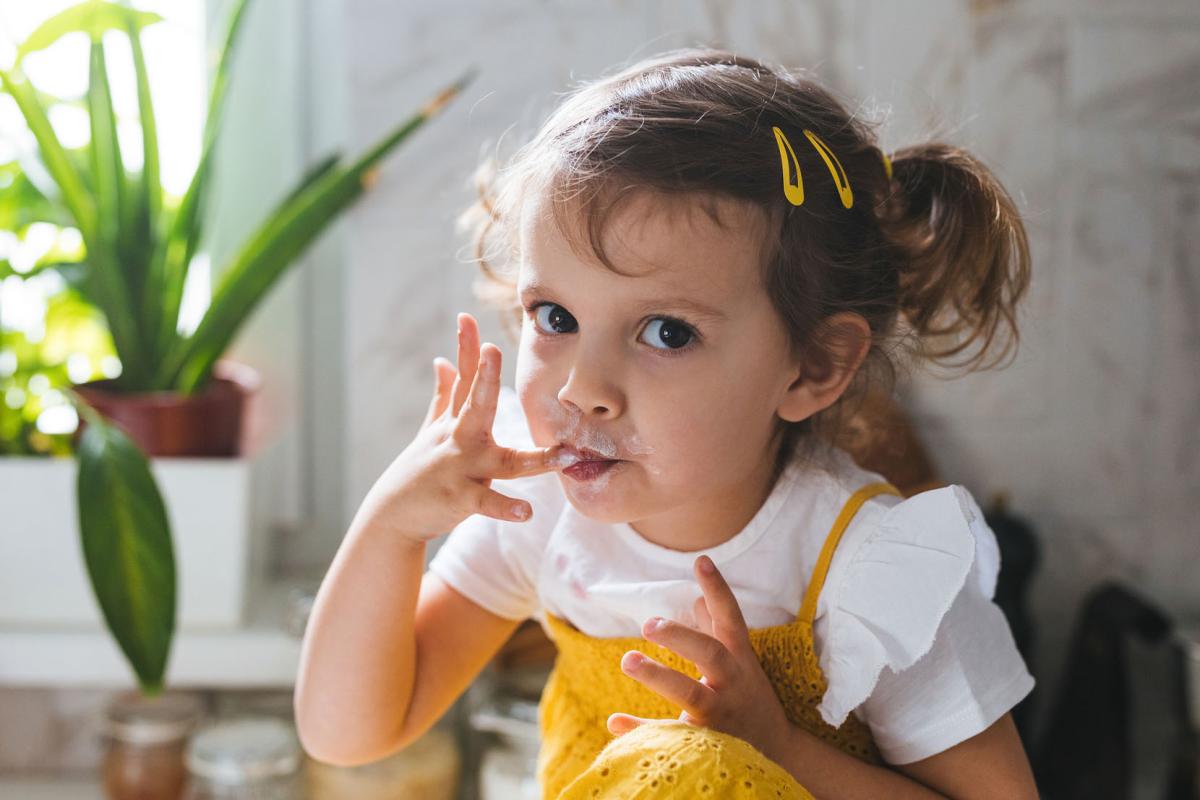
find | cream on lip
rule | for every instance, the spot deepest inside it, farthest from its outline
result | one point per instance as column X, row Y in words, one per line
column 564, row 459
column 567, row 423
column 587, row 455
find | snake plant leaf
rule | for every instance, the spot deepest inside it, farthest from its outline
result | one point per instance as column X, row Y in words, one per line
column 117, row 200
column 106, row 287
column 127, row 548
column 107, row 166
column 312, row 175
column 93, row 18
column 60, row 166
column 144, row 212
column 173, row 256
column 285, row 235
column 150, row 164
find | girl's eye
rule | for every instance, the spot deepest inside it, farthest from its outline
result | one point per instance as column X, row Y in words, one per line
column 673, row 334
column 557, row 316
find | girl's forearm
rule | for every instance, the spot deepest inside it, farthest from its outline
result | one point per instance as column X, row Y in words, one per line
column 831, row 774
column 358, row 657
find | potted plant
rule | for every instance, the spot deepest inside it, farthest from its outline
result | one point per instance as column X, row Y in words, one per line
column 174, row 396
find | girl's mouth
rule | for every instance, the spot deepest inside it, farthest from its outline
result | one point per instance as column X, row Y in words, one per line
column 589, row 470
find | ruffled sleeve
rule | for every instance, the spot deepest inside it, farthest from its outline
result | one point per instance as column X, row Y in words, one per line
column 891, row 583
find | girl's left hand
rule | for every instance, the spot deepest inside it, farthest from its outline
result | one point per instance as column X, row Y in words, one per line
column 733, row 695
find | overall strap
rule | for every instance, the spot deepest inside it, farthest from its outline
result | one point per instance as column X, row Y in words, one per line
column 808, row 610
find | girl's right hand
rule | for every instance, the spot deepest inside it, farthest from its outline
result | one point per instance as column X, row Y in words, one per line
column 445, row 473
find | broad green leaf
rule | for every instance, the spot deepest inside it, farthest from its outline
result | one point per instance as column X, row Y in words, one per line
column 127, row 548
column 91, row 17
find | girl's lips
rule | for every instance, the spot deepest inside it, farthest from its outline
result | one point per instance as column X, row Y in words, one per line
column 589, row 470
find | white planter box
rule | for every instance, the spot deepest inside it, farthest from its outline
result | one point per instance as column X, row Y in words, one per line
column 43, row 579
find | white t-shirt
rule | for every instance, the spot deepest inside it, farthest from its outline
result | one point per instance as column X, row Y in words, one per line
column 906, row 632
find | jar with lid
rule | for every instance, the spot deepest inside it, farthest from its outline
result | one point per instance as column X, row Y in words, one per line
column 245, row 758
column 145, row 738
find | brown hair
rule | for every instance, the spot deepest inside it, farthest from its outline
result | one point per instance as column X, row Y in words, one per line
column 934, row 257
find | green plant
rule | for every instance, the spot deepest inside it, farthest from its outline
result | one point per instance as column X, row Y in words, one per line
column 34, row 372
column 139, row 246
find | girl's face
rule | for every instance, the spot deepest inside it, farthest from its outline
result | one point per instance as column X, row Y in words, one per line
column 678, row 372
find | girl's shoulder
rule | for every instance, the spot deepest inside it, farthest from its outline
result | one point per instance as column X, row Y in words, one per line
column 893, row 577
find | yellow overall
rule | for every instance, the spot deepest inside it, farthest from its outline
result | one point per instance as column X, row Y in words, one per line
column 678, row 759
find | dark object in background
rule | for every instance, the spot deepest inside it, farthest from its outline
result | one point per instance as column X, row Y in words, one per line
column 1086, row 748
column 1019, row 556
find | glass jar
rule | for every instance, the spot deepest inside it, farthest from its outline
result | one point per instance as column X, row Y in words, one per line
column 145, row 739
column 508, row 768
column 505, row 715
column 245, row 758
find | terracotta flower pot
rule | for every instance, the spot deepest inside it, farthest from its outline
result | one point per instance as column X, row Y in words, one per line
column 208, row 423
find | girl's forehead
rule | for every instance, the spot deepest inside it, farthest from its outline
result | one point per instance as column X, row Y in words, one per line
column 681, row 240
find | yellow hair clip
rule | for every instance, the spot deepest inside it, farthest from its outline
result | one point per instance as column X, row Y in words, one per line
column 794, row 192
column 887, row 164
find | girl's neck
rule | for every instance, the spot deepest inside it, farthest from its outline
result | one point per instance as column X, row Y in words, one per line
column 712, row 521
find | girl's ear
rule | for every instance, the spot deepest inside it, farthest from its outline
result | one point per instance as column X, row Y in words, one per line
column 826, row 367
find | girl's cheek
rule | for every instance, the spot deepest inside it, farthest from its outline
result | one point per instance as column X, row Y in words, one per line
column 531, row 373
column 537, row 398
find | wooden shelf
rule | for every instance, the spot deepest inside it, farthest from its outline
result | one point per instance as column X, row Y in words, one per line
column 261, row 654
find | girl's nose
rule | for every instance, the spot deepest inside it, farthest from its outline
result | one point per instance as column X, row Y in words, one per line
column 590, row 391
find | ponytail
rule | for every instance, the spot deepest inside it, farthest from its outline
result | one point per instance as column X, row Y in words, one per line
column 963, row 250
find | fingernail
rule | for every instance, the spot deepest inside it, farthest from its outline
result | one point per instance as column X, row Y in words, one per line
column 707, row 566
column 520, row 511
column 653, row 624
column 633, row 660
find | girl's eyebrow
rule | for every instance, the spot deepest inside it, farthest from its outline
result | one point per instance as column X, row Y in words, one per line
column 534, row 287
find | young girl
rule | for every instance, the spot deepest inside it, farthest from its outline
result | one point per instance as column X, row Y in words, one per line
column 709, row 260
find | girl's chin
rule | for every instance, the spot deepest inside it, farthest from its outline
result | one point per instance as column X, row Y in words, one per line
column 597, row 497
column 602, row 514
